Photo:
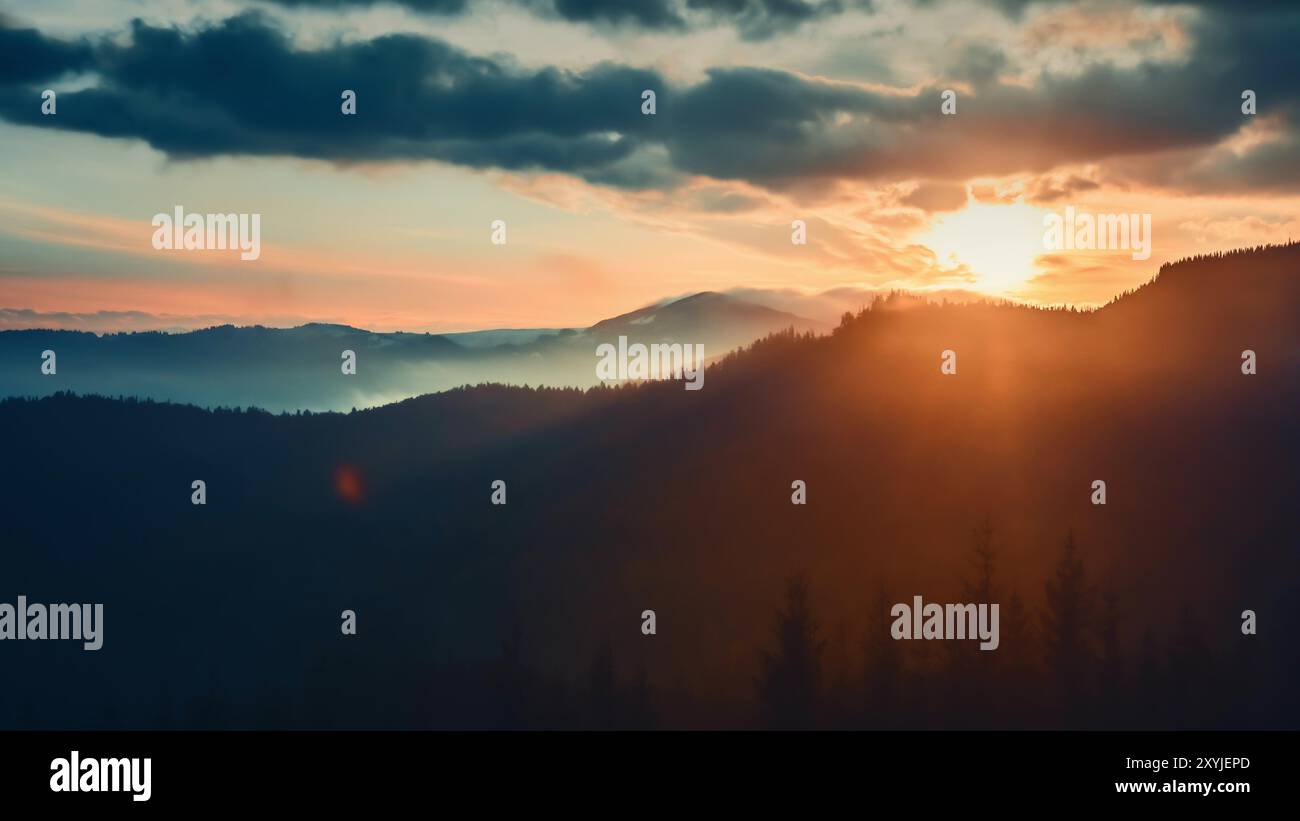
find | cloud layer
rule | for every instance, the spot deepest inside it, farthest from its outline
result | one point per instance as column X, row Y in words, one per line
column 241, row 86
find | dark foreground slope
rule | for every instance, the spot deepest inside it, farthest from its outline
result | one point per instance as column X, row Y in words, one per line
column 529, row 614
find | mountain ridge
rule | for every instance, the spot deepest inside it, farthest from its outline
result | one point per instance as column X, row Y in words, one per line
column 650, row 496
column 292, row 368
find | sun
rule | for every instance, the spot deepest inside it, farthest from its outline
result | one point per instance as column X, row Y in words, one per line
column 997, row 243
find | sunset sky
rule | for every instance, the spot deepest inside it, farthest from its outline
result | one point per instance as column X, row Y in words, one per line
column 529, row 111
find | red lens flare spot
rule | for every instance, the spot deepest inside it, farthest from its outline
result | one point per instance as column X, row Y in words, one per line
column 347, row 483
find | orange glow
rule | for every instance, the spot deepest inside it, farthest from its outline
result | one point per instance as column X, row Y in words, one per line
column 347, row 483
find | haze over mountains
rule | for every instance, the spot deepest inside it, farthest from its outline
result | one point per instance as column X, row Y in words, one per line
column 299, row 368
column 649, row 496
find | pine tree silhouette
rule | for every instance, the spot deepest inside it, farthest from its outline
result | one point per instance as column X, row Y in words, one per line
column 1112, row 675
column 970, row 670
column 983, row 556
column 790, row 683
column 839, row 695
column 1018, row 671
column 1066, row 623
column 883, row 680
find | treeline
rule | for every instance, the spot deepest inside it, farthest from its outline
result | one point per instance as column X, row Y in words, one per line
column 1082, row 658
column 1077, row 660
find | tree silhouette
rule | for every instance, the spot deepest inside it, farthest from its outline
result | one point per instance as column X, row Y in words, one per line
column 970, row 670
column 983, row 557
column 884, row 668
column 1017, row 655
column 1113, row 677
column 840, row 693
column 1066, row 623
column 790, row 683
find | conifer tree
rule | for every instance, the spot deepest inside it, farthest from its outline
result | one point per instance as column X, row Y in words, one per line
column 790, row 681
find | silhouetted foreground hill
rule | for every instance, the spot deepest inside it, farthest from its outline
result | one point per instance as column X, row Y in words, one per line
column 300, row 368
column 654, row 497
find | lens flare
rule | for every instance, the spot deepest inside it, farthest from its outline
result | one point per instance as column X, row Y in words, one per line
column 347, row 484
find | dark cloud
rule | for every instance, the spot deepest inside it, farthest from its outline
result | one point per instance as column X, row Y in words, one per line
column 422, row 6
column 759, row 19
column 240, row 87
column 779, row 130
column 27, row 56
column 655, row 14
column 1270, row 167
column 652, row 14
column 755, row 19
column 764, row 125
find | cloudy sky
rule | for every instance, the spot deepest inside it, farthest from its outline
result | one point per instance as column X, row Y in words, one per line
column 530, row 111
